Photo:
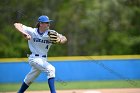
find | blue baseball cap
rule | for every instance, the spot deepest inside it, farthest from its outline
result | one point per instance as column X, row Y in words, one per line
column 44, row 18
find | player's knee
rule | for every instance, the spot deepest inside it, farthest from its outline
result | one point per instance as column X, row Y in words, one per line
column 51, row 71
column 27, row 82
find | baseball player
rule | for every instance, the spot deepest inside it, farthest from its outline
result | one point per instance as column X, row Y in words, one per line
column 39, row 40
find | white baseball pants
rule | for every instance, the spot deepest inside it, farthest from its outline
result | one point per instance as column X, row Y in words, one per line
column 39, row 64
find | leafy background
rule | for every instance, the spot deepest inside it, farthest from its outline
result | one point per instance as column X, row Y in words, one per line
column 92, row 27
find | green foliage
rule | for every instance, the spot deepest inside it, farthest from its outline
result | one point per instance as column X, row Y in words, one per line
column 92, row 27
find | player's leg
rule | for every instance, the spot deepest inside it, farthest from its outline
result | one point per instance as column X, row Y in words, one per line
column 43, row 65
column 51, row 77
column 29, row 79
column 23, row 87
column 51, row 83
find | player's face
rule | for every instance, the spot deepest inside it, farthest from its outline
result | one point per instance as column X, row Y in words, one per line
column 45, row 25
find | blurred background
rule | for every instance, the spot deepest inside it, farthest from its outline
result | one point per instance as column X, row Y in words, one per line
column 103, row 48
column 93, row 27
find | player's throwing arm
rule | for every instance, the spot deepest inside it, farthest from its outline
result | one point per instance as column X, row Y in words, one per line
column 19, row 27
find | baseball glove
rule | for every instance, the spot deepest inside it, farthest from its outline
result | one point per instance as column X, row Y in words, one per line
column 54, row 38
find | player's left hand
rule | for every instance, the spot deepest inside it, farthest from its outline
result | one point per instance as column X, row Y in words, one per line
column 54, row 38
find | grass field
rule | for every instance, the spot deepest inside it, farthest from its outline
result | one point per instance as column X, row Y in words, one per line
column 74, row 85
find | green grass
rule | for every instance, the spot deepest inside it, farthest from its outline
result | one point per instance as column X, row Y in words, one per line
column 74, row 85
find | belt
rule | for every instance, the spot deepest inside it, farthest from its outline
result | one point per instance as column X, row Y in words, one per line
column 41, row 55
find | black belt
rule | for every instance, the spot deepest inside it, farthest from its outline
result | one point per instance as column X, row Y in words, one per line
column 41, row 56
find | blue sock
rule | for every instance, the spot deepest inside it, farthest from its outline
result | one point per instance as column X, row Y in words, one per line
column 51, row 85
column 23, row 87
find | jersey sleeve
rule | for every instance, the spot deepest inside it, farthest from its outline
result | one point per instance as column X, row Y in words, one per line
column 27, row 29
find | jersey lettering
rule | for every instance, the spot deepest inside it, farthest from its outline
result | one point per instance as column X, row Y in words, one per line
column 41, row 40
column 38, row 44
